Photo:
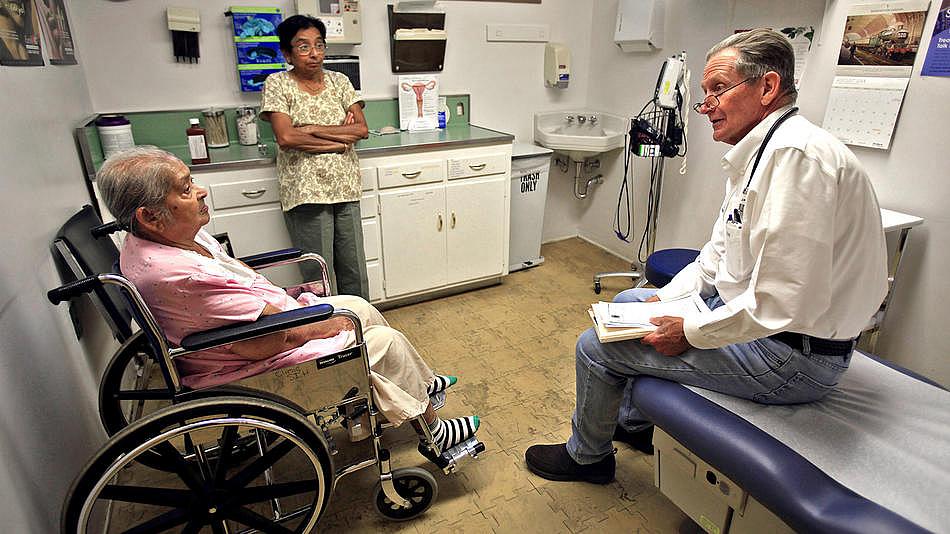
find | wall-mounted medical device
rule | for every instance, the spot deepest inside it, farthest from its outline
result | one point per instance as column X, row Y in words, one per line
column 557, row 65
column 640, row 25
column 342, row 18
column 668, row 93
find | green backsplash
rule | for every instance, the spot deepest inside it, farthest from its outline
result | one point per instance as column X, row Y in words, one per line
column 167, row 128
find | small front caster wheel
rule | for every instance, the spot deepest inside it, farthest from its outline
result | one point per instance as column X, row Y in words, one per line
column 416, row 485
column 597, row 287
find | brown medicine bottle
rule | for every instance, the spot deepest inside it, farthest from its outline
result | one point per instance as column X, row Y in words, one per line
column 197, row 143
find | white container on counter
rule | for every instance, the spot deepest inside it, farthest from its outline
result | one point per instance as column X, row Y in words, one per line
column 115, row 134
column 246, row 120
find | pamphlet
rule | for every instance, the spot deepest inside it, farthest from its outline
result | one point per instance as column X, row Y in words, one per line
column 616, row 321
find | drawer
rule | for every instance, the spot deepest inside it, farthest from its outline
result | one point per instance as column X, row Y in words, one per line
column 371, row 238
column 368, row 205
column 249, row 193
column 478, row 166
column 421, row 172
column 368, row 177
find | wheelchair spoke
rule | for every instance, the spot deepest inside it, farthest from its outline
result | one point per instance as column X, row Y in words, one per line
column 218, row 528
column 255, row 520
column 160, row 523
column 172, row 498
column 181, row 467
column 273, row 491
column 258, row 466
column 224, row 456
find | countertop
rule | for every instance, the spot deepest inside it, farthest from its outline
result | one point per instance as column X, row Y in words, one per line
column 238, row 156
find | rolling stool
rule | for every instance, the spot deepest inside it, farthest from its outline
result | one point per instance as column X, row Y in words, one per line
column 663, row 265
column 660, row 268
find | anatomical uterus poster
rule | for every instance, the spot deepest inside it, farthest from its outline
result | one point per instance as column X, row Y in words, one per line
column 418, row 101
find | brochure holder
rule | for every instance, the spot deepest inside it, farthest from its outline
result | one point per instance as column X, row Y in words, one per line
column 416, row 41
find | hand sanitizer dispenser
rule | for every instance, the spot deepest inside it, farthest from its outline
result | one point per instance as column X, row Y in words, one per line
column 557, row 65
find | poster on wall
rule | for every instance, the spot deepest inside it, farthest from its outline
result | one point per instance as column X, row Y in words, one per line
column 55, row 25
column 937, row 62
column 19, row 34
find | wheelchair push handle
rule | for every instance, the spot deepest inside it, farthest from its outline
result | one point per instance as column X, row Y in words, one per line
column 105, row 229
column 73, row 289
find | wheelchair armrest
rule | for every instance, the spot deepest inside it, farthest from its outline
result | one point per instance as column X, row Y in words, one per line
column 266, row 258
column 263, row 326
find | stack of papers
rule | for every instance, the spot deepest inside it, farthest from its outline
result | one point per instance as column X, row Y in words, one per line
column 616, row 321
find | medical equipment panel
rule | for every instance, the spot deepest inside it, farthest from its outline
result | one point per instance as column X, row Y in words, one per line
column 342, row 18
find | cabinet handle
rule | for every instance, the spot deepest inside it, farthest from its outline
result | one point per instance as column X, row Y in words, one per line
column 453, row 220
column 440, row 222
column 254, row 194
column 411, row 175
column 478, row 167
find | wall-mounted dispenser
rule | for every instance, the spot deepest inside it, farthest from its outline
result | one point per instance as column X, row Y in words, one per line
column 342, row 18
column 185, row 24
column 557, row 65
column 640, row 25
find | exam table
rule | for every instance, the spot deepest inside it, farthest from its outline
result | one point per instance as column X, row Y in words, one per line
column 873, row 456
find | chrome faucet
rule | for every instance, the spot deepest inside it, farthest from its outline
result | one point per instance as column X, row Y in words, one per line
column 581, row 119
column 569, row 119
column 593, row 120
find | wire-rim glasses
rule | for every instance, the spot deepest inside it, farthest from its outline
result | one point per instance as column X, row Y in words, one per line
column 711, row 102
column 305, row 48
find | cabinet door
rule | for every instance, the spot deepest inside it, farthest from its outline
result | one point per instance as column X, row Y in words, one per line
column 413, row 226
column 254, row 231
column 475, row 212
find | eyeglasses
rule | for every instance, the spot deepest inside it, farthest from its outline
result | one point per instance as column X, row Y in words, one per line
column 711, row 102
column 305, row 48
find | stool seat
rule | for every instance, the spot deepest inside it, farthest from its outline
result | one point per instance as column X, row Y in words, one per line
column 663, row 265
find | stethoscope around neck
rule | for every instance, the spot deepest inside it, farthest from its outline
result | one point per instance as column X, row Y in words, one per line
column 758, row 157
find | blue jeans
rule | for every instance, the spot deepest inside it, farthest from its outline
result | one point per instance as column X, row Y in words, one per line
column 764, row 370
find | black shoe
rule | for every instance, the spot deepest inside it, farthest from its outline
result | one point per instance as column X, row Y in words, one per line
column 554, row 463
column 641, row 440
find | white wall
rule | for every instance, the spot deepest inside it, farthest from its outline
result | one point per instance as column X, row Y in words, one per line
column 48, row 417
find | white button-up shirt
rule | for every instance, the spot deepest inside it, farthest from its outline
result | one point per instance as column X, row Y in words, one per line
column 808, row 254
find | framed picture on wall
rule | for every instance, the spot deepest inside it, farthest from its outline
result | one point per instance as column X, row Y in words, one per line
column 19, row 34
column 59, row 40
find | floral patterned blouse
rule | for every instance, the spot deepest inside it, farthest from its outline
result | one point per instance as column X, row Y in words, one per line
column 313, row 178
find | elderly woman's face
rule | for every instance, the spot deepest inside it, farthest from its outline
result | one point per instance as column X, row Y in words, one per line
column 186, row 207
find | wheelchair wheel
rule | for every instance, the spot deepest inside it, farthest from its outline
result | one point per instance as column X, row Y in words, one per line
column 416, row 485
column 204, row 485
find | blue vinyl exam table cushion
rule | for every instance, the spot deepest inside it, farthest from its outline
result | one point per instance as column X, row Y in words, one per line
column 873, row 456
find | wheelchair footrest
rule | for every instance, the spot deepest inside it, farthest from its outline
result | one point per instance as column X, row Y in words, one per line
column 450, row 459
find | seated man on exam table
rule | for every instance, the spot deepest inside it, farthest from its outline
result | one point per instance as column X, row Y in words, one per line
column 793, row 271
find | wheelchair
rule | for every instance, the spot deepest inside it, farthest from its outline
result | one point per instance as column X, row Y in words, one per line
column 235, row 458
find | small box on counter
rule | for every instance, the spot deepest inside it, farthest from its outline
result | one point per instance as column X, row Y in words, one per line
column 257, row 53
column 253, row 23
column 253, row 76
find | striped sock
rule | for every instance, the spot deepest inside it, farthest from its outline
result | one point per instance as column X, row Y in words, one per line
column 450, row 433
column 441, row 383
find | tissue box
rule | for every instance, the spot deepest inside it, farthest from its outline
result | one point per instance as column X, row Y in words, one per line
column 252, row 23
column 259, row 53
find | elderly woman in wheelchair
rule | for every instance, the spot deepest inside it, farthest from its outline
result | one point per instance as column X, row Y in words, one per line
column 193, row 288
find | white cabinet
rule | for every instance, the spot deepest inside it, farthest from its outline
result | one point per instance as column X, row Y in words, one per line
column 432, row 219
column 451, row 230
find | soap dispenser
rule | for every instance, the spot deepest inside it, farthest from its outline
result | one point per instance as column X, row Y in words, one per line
column 557, row 65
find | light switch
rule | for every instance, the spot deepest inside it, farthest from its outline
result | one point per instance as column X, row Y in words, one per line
column 536, row 33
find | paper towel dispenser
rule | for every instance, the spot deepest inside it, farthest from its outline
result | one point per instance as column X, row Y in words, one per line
column 640, row 25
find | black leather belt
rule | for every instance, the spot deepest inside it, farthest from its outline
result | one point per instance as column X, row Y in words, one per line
column 829, row 347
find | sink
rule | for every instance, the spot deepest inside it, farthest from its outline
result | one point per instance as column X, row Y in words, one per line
column 579, row 140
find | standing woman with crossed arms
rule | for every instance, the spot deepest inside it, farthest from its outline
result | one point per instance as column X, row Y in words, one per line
column 317, row 117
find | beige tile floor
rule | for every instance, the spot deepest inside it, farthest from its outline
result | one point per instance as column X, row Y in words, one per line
column 512, row 345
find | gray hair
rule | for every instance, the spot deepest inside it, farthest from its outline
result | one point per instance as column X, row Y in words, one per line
column 134, row 178
column 760, row 51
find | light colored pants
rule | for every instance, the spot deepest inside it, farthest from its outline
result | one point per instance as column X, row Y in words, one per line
column 334, row 231
column 399, row 375
column 764, row 370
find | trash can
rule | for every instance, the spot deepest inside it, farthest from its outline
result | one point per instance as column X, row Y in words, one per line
column 530, row 166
